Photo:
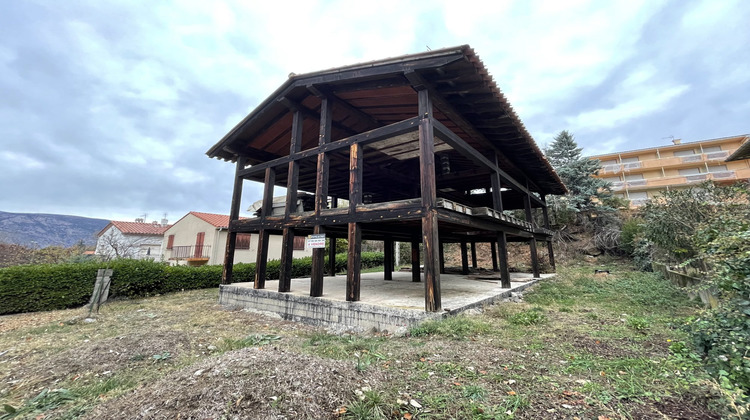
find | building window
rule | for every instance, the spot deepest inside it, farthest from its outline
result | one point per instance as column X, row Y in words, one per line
column 717, row 168
column 633, row 177
column 711, row 149
column 689, row 171
column 170, row 242
column 629, row 160
column 242, row 241
column 688, row 152
column 299, row 243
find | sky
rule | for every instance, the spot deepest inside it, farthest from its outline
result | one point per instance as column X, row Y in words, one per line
column 107, row 108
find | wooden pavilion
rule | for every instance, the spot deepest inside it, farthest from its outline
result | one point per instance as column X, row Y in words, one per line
column 423, row 148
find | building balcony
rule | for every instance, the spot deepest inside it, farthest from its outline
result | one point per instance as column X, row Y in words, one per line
column 652, row 183
column 667, row 162
column 190, row 252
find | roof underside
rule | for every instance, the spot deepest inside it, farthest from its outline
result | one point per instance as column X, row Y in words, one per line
column 743, row 152
column 371, row 95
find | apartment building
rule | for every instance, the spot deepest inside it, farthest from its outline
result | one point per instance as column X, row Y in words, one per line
column 639, row 175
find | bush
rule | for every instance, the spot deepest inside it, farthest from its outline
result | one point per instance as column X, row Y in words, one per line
column 30, row 288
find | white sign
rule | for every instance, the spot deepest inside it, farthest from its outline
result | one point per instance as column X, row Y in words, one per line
column 316, row 241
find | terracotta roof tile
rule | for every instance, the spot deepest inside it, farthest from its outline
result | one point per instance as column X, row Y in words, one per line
column 136, row 228
column 218, row 220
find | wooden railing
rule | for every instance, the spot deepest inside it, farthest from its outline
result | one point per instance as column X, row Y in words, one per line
column 190, row 251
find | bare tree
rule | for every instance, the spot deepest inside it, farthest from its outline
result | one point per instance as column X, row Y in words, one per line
column 112, row 245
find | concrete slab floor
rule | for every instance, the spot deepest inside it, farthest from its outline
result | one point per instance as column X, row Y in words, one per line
column 457, row 291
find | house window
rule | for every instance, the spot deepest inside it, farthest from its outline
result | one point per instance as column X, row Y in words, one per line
column 633, row 177
column 170, row 242
column 711, row 149
column 242, row 241
column 299, row 243
column 629, row 160
column 717, row 168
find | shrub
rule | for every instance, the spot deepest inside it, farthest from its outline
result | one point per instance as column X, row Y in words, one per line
column 30, row 288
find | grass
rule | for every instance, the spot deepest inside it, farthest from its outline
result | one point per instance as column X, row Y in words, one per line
column 603, row 346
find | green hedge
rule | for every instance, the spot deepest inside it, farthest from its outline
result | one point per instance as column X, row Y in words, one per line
column 30, row 288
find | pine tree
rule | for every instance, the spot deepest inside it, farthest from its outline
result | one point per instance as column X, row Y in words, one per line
column 585, row 193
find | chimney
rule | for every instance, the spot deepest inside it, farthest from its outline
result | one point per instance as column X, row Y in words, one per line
column 676, row 141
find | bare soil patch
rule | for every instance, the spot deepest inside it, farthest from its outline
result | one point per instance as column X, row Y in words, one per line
column 251, row 383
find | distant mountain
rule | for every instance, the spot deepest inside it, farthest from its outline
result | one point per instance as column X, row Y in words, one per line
column 42, row 230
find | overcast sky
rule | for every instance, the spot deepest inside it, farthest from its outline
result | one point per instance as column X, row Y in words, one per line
column 107, row 108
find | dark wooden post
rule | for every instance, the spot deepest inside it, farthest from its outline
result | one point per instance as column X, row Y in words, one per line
column 354, row 260
column 266, row 208
column 550, row 252
column 234, row 214
column 464, row 258
column 287, row 242
column 493, row 250
column 388, row 266
column 321, row 197
column 415, row 270
column 532, row 241
column 430, row 237
column 331, row 256
column 442, row 258
column 474, row 262
column 502, row 240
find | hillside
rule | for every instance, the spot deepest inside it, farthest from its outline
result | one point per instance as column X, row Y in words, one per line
column 42, row 230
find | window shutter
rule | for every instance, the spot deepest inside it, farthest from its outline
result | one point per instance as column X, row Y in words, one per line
column 170, row 242
column 299, row 243
column 242, row 241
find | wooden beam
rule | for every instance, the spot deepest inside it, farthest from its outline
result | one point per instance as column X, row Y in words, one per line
column 460, row 145
column 324, row 92
column 381, row 133
column 354, row 262
column 493, row 250
column 388, row 265
column 430, row 236
column 550, row 251
column 292, row 183
column 532, row 241
column 354, row 258
column 267, row 207
column 464, row 258
column 415, row 270
column 321, row 196
column 365, row 213
column 502, row 254
column 234, row 214
column 442, row 257
column 474, row 262
column 456, row 117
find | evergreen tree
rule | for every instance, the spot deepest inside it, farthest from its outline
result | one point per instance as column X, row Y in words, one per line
column 585, row 193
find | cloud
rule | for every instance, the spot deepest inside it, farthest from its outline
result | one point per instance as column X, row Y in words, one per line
column 108, row 108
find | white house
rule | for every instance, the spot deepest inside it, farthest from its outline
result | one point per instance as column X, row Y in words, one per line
column 134, row 240
column 200, row 238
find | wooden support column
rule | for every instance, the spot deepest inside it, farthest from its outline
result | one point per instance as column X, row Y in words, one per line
column 464, row 259
column 442, row 258
column 266, row 208
column 502, row 240
column 354, row 260
column 430, row 236
column 415, row 270
column 493, row 250
column 287, row 241
column 321, row 197
column 532, row 241
column 550, row 252
column 388, row 266
column 234, row 214
column 474, row 262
